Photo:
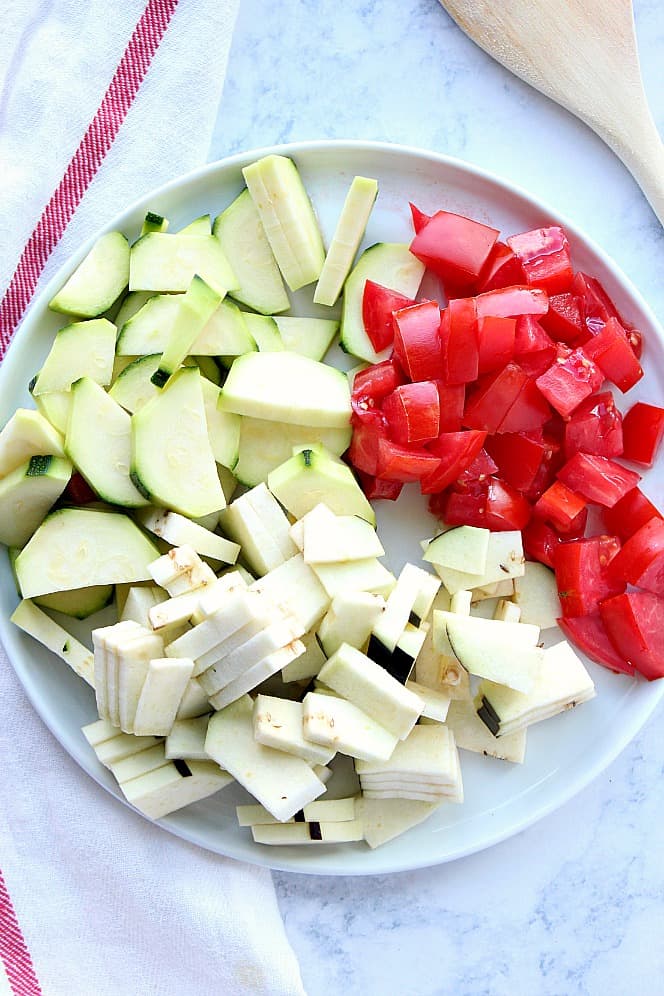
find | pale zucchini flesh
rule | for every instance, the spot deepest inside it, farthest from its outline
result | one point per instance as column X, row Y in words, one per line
column 98, row 281
column 27, row 494
column 27, row 434
column 167, row 263
column 346, row 239
column 83, row 349
column 264, row 445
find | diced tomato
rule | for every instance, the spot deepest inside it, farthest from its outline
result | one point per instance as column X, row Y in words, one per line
column 534, row 351
column 564, row 320
column 598, row 307
column 417, row 344
column 454, row 451
column 629, row 514
column 458, row 333
column 493, row 397
column 541, row 542
column 495, row 340
column 510, row 302
column 611, row 351
column 79, row 491
column 494, row 505
column 570, row 379
column 590, row 636
column 454, row 247
column 581, row 574
column 420, row 219
column 635, row 339
column 452, row 399
column 597, row 479
column 545, row 258
column 378, row 303
column 370, row 386
column 635, row 624
column 404, row 463
column 518, row 458
column 641, row 560
column 643, row 431
column 363, row 450
column 596, row 426
column 560, row 506
column 374, row 487
column 413, row 413
column 502, row 269
column 530, row 411
column 481, row 468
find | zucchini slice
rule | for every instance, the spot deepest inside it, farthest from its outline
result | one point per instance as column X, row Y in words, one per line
column 264, row 445
column 168, row 263
column 97, row 282
column 346, row 239
column 27, row 434
column 172, row 463
column 26, row 495
column 82, row 349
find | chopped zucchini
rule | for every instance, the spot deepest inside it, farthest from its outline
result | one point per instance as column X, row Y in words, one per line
column 97, row 282
column 82, row 349
column 27, row 494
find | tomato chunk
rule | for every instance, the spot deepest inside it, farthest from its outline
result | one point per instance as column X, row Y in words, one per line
column 560, row 506
column 545, row 258
column 590, row 636
column 374, row 487
column 454, row 247
column 643, row 430
column 403, row 463
column 363, row 450
column 509, row 302
column 596, row 426
column 597, row 305
column 502, row 269
column 452, row 399
column 455, row 452
column 378, row 303
column 495, row 342
column 629, row 514
column 413, row 413
column 635, row 624
column 417, row 345
column 79, row 491
column 564, row 320
column 420, row 219
column 370, row 386
column 641, row 560
column 458, row 333
column 481, row 468
column 611, row 351
column 493, row 505
column 597, row 479
column 569, row 380
column 582, row 576
column 518, row 457
column 541, row 542
column 533, row 349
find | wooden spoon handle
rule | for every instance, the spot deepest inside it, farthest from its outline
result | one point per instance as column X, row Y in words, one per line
column 640, row 147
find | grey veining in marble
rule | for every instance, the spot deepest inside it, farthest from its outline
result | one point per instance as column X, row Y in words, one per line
column 574, row 906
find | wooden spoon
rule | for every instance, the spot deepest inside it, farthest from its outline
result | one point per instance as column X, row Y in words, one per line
column 582, row 54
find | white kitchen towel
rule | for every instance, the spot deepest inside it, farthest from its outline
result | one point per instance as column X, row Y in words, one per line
column 94, row 899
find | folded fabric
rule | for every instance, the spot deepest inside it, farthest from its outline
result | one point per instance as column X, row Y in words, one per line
column 106, row 902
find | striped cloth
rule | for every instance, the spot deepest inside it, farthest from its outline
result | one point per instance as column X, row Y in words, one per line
column 98, row 104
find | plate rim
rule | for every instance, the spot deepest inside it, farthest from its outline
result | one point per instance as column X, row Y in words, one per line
column 8, row 632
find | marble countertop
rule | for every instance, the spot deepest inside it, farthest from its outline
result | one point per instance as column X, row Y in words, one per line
column 575, row 904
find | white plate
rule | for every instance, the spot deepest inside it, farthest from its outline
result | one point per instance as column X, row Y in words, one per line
column 563, row 754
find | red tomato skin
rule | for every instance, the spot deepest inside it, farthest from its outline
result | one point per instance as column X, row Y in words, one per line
column 545, row 258
column 454, row 247
column 417, row 345
column 629, row 514
column 458, row 333
column 598, row 307
column 510, row 302
column 402, row 463
column 564, row 321
column 559, row 506
column 481, row 468
column 420, row 219
column 455, row 452
column 643, row 431
column 534, row 351
column 589, row 635
column 374, row 487
column 635, row 624
column 570, row 379
column 495, row 506
column 529, row 412
column 495, row 343
column 413, row 413
column 518, row 458
column 451, row 399
column 596, row 426
column 597, row 479
column 541, row 542
column 378, row 304
column 363, row 450
column 582, row 577
column 610, row 349
column 375, row 383
column 79, row 491
column 493, row 397
column 502, row 269
column 641, row 560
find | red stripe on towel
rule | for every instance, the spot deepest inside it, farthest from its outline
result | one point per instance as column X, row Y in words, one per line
column 13, row 950
column 85, row 163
